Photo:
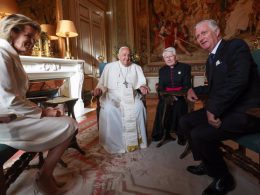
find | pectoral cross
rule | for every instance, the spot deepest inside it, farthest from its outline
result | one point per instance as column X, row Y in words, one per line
column 126, row 84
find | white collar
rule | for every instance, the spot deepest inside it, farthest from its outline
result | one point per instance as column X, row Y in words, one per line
column 215, row 48
column 4, row 44
column 123, row 65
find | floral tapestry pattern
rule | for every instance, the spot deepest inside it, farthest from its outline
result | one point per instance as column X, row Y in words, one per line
column 42, row 11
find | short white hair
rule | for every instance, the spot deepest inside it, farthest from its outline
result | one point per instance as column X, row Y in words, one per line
column 213, row 25
column 122, row 48
column 169, row 49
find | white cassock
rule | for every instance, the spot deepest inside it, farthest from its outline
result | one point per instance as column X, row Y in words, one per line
column 30, row 131
column 122, row 118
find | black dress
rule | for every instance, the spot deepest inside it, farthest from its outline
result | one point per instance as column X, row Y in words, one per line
column 178, row 76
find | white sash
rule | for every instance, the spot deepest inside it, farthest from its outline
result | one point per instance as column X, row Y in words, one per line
column 128, row 118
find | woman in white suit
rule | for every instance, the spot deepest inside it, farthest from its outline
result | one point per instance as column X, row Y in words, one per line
column 34, row 130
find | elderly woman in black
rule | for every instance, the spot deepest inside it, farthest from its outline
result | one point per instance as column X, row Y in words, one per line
column 174, row 76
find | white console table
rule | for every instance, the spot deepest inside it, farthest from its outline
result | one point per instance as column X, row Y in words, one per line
column 41, row 68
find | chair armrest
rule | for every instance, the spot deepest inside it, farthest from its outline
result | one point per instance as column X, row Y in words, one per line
column 6, row 118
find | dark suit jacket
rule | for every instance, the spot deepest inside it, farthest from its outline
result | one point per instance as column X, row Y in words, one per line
column 233, row 80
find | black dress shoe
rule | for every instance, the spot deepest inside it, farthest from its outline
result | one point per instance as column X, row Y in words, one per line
column 220, row 186
column 169, row 137
column 198, row 170
column 156, row 139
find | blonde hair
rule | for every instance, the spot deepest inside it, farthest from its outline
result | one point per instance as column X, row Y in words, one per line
column 15, row 23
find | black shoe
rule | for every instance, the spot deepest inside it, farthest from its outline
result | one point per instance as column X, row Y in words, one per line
column 169, row 137
column 165, row 139
column 181, row 140
column 220, row 186
column 198, row 170
column 156, row 139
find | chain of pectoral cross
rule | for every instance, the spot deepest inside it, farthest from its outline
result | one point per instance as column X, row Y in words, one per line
column 124, row 77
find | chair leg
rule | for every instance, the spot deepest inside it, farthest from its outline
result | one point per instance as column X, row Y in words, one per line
column 41, row 159
column 40, row 162
column 2, row 182
column 259, row 167
column 70, row 105
column 74, row 144
column 17, row 168
column 186, row 151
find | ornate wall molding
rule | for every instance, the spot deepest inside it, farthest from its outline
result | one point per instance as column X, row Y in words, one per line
column 197, row 69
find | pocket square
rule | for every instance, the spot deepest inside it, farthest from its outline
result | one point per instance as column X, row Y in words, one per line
column 218, row 63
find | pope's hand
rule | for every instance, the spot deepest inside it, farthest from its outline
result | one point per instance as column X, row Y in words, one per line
column 191, row 96
column 97, row 92
column 144, row 90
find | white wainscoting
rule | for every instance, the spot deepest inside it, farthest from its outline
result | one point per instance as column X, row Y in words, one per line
column 152, row 80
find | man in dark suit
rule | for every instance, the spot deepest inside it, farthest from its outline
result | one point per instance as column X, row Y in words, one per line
column 233, row 87
column 174, row 76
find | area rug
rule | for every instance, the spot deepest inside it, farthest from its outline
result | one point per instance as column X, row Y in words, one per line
column 96, row 172
column 150, row 171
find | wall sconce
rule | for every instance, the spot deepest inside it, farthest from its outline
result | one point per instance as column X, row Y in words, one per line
column 66, row 28
column 51, row 35
column 8, row 7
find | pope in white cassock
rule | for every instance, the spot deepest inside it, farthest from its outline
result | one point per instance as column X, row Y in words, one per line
column 122, row 115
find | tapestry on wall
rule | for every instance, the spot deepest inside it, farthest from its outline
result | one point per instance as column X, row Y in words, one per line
column 42, row 11
column 171, row 22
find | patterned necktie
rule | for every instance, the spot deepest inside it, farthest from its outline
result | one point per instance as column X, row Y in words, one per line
column 211, row 59
column 210, row 67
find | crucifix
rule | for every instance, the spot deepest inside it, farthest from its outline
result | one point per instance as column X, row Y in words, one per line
column 126, row 84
